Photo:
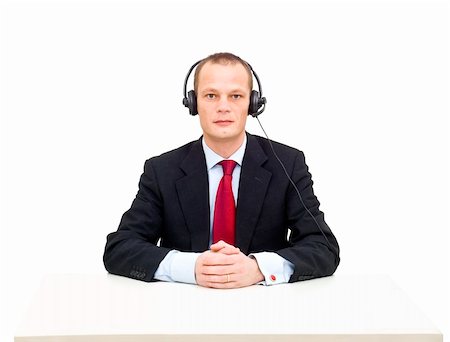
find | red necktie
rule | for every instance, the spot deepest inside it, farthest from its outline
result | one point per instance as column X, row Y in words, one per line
column 225, row 210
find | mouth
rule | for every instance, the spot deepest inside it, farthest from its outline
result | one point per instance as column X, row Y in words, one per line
column 223, row 122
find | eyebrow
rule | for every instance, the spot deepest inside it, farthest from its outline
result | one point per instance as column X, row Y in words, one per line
column 211, row 89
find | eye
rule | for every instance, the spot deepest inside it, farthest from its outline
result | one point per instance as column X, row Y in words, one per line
column 236, row 96
column 210, row 96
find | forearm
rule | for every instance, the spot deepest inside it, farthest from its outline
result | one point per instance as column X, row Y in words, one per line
column 312, row 257
column 276, row 269
column 177, row 267
column 129, row 256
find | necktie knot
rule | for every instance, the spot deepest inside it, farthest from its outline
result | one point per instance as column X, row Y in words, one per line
column 228, row 166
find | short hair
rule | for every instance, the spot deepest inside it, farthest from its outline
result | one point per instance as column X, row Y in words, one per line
column 223, row 58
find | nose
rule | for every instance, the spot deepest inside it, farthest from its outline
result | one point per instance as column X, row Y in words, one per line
column 223, row 105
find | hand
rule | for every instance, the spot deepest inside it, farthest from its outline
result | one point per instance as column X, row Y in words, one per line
column 225, row 266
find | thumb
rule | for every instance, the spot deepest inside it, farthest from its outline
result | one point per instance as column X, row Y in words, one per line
column 223, row 247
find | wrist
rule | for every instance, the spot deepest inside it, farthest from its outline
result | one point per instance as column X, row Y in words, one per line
column 259, row 276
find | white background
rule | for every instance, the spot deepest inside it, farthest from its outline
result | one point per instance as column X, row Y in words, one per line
column 90, row 89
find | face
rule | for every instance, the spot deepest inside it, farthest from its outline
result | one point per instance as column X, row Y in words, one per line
column 223, row 96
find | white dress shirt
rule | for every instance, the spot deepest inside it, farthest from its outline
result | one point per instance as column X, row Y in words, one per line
column 180, row 266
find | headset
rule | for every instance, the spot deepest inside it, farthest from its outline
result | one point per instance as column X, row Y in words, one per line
column 256, row 99
column 256, row 102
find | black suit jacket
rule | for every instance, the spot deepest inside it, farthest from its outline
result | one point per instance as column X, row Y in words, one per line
column 172, row 205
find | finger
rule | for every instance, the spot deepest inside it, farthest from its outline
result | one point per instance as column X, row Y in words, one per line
column 221, row 279
column 221, row 282
column 229, row 250
column 216, row 259
column 223, row 285
column 220, row 245
column 217, row 270
column 220, row 285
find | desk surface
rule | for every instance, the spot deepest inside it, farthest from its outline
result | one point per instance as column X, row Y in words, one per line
column 72, row 308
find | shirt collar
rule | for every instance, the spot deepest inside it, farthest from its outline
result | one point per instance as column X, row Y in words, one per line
column 212, row 158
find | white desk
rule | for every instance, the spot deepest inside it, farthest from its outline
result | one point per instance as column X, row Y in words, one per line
column 73, row 308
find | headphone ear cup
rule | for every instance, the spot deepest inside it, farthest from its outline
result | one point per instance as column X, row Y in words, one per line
column 191, row 102
column 255, row 103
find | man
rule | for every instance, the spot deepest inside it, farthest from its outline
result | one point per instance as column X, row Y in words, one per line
column 224, row 224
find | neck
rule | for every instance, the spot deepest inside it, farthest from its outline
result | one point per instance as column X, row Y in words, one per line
column 224, row 148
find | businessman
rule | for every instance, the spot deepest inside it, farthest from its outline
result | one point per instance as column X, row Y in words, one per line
column 222, row 211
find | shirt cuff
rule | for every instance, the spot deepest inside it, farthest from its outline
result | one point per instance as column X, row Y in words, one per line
column 177, row 266
column 276, row 269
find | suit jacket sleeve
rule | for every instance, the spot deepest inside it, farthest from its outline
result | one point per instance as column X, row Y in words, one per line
column 131, row 251
column 313, row 251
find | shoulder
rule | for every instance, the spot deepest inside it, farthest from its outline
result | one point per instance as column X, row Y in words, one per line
column 274, row 156
column 174, row 157
column 268, row 146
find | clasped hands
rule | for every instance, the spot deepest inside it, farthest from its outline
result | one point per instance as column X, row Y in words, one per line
column 225, row 266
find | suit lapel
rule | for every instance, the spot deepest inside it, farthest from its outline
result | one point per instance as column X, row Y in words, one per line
column 194, row 197
column 252, row 190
